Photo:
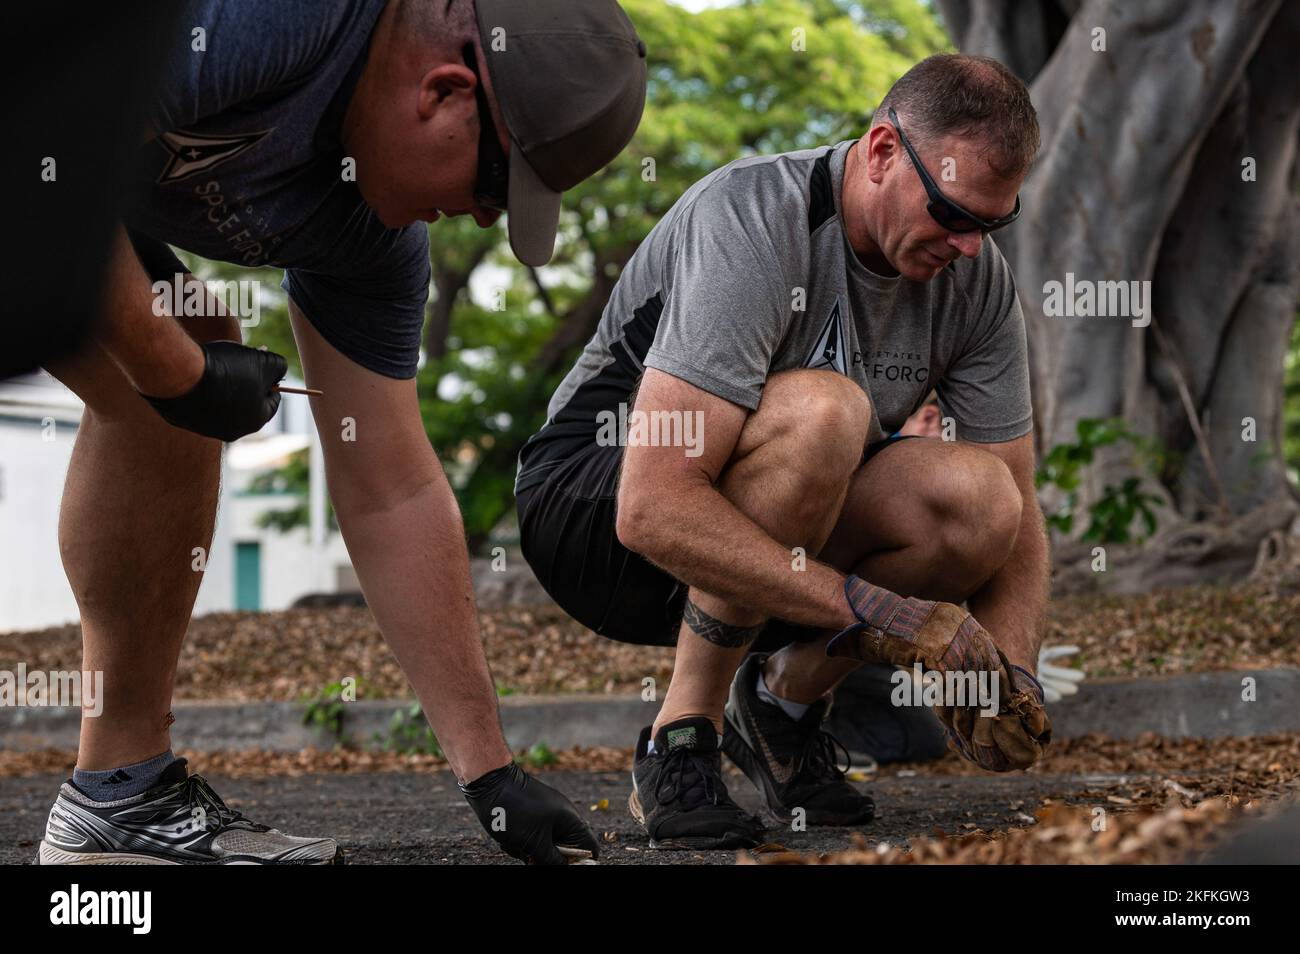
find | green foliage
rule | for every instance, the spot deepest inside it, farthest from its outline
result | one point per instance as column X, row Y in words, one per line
column 539, row 756
column 723, row 84
column 291, row 479
column 1111, row 516
column 409, row 733
column 325, row 709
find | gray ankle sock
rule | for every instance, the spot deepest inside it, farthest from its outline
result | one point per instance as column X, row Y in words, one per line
column 795, row 710
column 111, row 784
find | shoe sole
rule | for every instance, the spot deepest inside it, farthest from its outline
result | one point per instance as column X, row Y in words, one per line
column 746, row 759
column 731, row 840
column 49, row 855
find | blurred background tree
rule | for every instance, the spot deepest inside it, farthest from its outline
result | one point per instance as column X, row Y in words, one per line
column 1170, row 132
column 772, row 75
column 758, row 77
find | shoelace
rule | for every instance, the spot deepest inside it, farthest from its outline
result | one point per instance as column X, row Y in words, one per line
column 822, row 760
column 673, row 776
column 198, row 790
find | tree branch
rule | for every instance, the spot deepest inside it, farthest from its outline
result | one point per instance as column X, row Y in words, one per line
column 1193, row 420
column 542, row 293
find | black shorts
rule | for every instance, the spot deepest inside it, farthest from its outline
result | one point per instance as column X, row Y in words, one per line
column 567, row 534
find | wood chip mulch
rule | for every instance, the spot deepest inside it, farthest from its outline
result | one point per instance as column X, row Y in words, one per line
column 1060, row 835
column 1251, row 768
column 259, row 763
column 288, row 655
column 1173, row 800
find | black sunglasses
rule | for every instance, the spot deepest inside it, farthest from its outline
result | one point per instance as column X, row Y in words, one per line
column 941, row 208
column 492, row 187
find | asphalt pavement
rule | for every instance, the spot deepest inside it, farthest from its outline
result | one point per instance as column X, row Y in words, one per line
column 415, row 818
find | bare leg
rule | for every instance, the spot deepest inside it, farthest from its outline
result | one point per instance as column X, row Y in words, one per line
column 925, row 518
column 140, row 497
column 789, row 474
column 404, row 533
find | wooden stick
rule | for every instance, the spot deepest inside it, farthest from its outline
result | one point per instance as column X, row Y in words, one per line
column 284, row 389
column 1189, row 409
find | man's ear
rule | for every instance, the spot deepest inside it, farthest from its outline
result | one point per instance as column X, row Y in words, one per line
column 441, row 83
column 882, row 151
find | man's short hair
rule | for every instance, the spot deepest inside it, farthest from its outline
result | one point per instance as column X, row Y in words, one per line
column 443, row 27
column 951, row 94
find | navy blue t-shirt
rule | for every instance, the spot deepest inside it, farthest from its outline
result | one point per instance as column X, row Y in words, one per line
column 247, row 168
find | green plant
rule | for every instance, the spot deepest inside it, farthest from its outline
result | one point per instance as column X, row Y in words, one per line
column 292, row 478
column 1111, row 516
column 409, row 733
column 325, row 708
column 538, row 756
column 722, row 85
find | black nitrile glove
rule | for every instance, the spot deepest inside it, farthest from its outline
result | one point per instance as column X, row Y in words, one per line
column 529, row 820
column 235, row 396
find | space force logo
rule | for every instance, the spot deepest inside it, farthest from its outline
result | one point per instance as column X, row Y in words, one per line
column 191, row 153
column 828, row 351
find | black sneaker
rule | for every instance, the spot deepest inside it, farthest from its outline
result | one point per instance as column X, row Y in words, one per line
column 180, row 821
column 873, row 728
column 795, row 764
column 678, row 794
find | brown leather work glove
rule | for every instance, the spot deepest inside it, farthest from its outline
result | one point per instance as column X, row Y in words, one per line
column 942, row 637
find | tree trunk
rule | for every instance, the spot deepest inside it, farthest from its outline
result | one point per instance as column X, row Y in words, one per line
column 1140, row 178
column 573, row 330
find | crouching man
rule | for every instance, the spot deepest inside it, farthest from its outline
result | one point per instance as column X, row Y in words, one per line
column 764, row 345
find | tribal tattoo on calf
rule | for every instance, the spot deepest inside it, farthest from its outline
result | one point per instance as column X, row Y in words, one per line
column 716, row 631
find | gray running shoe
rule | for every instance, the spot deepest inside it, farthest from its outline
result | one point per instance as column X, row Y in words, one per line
column 180, row 821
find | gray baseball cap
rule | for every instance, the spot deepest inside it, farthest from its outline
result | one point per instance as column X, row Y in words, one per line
column 569, row 77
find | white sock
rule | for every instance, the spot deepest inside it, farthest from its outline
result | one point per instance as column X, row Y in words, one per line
column 795, row 710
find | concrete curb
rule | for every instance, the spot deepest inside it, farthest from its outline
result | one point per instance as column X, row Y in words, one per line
column 1200, row 705
column 1206, row 705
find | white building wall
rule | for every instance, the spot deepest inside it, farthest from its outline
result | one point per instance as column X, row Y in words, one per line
column 34, row 593
column 289, row 568
column 33, row 590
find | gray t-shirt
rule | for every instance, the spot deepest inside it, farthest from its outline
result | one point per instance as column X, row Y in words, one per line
column 247, row 167
column 750, row 273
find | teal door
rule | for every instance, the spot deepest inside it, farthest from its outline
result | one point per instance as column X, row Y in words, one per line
column 248, row 576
